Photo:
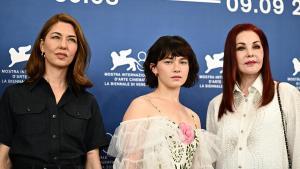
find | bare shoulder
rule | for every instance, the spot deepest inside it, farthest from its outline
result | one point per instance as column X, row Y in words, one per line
column 136, row 109
column 196, row 117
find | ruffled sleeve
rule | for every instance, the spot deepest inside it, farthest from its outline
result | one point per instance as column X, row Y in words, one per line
column 207, row 152
column 140, row 144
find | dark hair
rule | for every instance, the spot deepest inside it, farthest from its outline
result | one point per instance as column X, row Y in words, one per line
column 230, row 69
column 76, row 71
column 174, row 46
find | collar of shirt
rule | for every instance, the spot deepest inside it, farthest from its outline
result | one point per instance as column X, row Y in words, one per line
column 41, row 80
column 68, row 94
column 256, row 88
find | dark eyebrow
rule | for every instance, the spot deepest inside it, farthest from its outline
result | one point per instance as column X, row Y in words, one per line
column 56, row 33
column 241, row 43
column 257, row 42
column 183, row 58
column 72, row 36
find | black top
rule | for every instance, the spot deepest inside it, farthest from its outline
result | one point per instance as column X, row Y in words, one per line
column 34, row 126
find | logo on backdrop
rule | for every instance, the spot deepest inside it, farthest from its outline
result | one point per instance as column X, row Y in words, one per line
column 20, row 55
column 122, row 58
column 295, row 78
column 213, row 74
column 10, row 75
column 126, row 69
column 214, row 62
column 296, row 63
column 97, row 2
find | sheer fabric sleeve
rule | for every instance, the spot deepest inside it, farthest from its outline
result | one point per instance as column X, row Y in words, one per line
column 140, row 144
column 212, row 114
column 207, row 151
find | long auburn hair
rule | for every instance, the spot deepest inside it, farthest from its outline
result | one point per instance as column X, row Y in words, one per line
column 76, row 71
column 230, row 69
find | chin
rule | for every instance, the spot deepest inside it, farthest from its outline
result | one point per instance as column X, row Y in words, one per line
column 175, row 86
column 251, row 71
column 62, row 66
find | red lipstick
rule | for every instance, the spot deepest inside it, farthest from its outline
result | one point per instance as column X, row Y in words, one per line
column 250, row 62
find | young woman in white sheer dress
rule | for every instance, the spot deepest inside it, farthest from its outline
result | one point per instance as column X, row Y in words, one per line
column 246, row 116
column 157, row 131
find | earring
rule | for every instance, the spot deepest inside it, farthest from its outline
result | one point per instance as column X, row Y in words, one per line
column 43, row 54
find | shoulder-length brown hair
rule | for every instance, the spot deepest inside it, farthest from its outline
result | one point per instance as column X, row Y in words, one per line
column 230, row 69
column 76, row 71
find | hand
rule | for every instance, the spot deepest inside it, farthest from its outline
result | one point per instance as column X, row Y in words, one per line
column 5, row 162
column 93, row 160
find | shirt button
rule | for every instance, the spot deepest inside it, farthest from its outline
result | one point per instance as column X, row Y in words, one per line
column 54, row 136
column 53, row 116
column 246, row 100
column 44, row 168
column 54, row 158
column 240, row 166
column 244, row 115
column 77, row 113
column 28, row 109
column 240, row 148
column 242, row 131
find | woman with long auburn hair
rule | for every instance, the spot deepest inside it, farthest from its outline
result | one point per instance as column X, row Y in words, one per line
column 50, row 120
column 246, row 116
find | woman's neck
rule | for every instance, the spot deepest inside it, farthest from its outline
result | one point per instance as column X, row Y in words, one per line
column 168, row 94
column 56, row 78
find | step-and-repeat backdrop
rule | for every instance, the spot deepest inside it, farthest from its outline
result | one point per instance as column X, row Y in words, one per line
column 127, row 28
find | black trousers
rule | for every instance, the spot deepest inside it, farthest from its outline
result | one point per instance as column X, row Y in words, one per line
column 46, row 166
column 27, row 163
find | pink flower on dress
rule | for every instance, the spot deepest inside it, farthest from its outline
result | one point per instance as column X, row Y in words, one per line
column 186, row 133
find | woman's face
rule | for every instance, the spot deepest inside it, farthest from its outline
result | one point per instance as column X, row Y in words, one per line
column 249, row 53
column 172, row 72
column 59, row 46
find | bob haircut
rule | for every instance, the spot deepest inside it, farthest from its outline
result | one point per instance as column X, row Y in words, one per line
column 230, row 69
column 76, row 71
column 172, row 46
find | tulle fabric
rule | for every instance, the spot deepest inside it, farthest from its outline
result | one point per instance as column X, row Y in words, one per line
column 207, row 152
column 142, row 144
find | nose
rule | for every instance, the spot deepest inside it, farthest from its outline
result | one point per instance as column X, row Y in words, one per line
column 250, row 53
column 63, row 43
column 176, row 67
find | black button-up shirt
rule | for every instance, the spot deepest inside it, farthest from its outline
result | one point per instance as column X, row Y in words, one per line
column 33, row 125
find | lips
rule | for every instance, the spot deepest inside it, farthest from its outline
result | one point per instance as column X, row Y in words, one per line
column 250, row 62
column 61, row 55
column 176, row 77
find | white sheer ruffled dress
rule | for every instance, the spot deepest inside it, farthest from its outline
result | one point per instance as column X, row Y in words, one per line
column 158, row 143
